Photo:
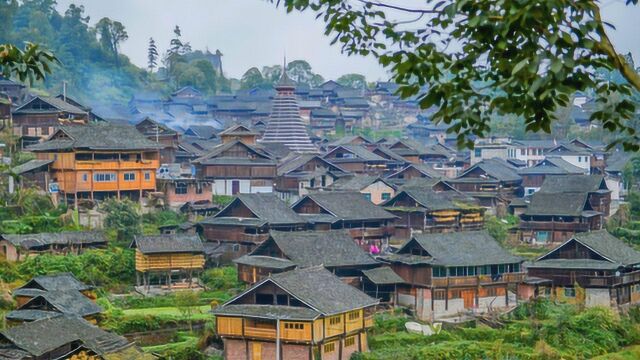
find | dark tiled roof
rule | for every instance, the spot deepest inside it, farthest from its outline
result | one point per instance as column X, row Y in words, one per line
column 423, row 169
column 467, row 248
column 28, row 241
column 265, row 261
column 609, row 247
column 30, row 165
column 268, row 312
column 497, row 169
column 617, row 161
column 574, row 264
column 98, row 136
column 59, row 282
column 559, row 204
column 432, row 200
column 265, row 206
column 348, row 206
column 312, row 248
column 58, row 104
column 213, row 156
column 573, row 184
column 68, row 302
column 356, row 182
column 346, row 140
column 383, row 275
column 203, row 131
column 31, row 315
column 169, row 243
column 42, row 336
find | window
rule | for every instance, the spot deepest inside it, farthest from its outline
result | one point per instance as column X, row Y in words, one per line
column 198, row 188
column 235, row 247
column 181, row 188
column 294, row 326
column 492, row 291
column 330, row 347
column 335, row 320
column 439, row 271
column 129, row 176
column 85, row 177
column 350, row 341
column 523, row 151
column 478, row 152
column 501, row 269
column 579, row 158
column 354, row 315
column 439, row 295
column 386, row 196
column 104, row 177
column 147, row 176
column 367, row 196
column 570, row 292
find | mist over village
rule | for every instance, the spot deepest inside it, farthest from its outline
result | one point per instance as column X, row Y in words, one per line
column 319, row 180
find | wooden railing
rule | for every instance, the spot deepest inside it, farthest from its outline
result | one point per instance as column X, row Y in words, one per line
column 554, row 225
column 266, row 333
column 597, row 281
column 115, row 165
column 476, row 280
column 371, row 232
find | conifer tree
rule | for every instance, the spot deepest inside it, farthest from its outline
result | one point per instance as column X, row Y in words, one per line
column 152, row 55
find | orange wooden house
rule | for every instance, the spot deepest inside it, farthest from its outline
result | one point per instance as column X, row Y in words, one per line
column 100, row 160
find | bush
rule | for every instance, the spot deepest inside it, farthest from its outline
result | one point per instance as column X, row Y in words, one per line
column 224, row 278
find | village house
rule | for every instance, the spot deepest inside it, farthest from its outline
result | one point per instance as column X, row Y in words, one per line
column 369, row 225
column 412, row 171
column 14, row 247
column 240, row 133
column 533, row 177
column 169, row 261
column 180, row 188
column 51, row 296
column 575, row 155
column 39, row 117
column 351, row 140
column 593, row 269
column 373, row 187
column 33, row 173
column 491, row 181
column 65, row 337
column 450, row 273
column 422, row 209
column 299, row 174
column 14, row 90
column 357, row 159
column 166, row 138
column 395, row 162
column 283, row 251
column 245, row 222
column 204, row 132
column 190, row 148
column 100, row 160
column 237, row 167
column 300, row 314
column 565, row 205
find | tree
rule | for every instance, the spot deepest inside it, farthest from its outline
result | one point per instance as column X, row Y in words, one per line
column 271, row 74
column 355, row 81
column 152, row 55
column 481, row 58
column 186, row 301
column 112, row 34
column 30, row 63
column 122, row 217
column 252, row 78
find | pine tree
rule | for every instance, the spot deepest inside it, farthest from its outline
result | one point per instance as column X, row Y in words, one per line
column 152, row 55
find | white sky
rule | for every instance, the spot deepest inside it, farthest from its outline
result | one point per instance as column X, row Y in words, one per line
column 256, row 33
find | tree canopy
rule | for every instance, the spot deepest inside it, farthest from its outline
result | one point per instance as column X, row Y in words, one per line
column 472, row 60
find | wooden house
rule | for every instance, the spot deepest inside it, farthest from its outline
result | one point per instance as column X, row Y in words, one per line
column 382, row 283
column 299, row 174
column 14, row 247
column 54, row 303
column 239, row 133
column 190, row 148
column 369, row 225
column 422, row 209
column 15, row 91
column 33, row 173
column 100, row 160
column 54, row 282
column 395, row 162
column 374, row 188
column 41, row 116
column 412, row 171
column 236, row 167
column 449, row 273
column 603, row 267
column 300, row 314
column 491, row 181
column 180, row 188
column 565, row 205
column 533, row 177
column 204, row 132
column 166, row 138
column 162, row 258
column 65, row 337
column 245, row 222
column 353, row 140
column 283, row 251
column 357, row 159
column 577, row 155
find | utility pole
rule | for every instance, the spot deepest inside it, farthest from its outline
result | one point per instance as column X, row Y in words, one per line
column 64, row 90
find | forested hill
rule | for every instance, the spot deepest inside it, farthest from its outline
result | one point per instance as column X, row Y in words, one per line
column 91, row 64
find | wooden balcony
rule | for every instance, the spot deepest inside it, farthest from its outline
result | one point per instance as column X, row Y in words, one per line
column 597, row 281
column 455, row 281
column 368, row 232
column 554, row 226
column 115, row 165
column 266, row 333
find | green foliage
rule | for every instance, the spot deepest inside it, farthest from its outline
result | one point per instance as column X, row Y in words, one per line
column 535, row 330
column 356, row 81
column 535, row 56
column 223, row 278
column 123, row 217
column 499, row 227
column 222, row 200
column 31, row 63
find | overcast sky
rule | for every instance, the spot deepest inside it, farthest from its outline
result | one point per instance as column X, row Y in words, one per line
column 256, row 33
